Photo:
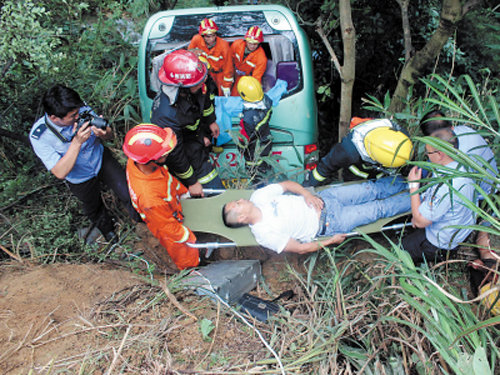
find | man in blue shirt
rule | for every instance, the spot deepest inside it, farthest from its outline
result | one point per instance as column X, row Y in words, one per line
column 440, row 209
column 77, row 155
column 470, row 142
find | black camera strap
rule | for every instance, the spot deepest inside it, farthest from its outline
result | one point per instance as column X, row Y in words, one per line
column 55, row 131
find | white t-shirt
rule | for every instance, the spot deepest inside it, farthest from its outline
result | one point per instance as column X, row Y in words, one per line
column 283, row 217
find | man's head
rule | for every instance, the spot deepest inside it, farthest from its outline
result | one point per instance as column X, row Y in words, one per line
column 433, row 121
column 183, row 69
column 61, row 104
column 389, row 147
column 147, row 143
column 253, row 38
column 236, row 214
column 208, row 29
column 250, row 89
column 437, row 156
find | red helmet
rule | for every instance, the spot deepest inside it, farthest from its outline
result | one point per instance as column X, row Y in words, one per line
column 207, row 26
column 254, row 35
column 147, row 142
column 182, row 68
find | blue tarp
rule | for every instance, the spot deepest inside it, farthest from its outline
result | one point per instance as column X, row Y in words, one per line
column 226, row 108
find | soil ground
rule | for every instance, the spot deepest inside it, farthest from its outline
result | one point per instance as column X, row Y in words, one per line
column 107, row 318
column 68, row 318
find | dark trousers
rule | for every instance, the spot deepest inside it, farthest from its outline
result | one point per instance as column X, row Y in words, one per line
column 255, row 165
column 417, row 245
column 199, row 158
column 89, row 193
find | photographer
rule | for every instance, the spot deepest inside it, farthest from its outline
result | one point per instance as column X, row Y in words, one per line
column 68, row 141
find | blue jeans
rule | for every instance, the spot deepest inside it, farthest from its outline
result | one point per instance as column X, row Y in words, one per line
column 350, row 206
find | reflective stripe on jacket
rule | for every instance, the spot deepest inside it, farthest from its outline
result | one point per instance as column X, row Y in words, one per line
column 219, row 57
column 157, row 199
column 189, row 117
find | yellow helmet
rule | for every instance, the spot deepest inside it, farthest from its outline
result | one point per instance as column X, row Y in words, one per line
column 489, row 300
column 389, row 147
column 250, row 89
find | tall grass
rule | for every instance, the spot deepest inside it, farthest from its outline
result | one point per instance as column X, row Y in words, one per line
column 384, row 314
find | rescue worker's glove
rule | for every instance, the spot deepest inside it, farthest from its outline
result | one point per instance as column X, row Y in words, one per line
column 226, row 91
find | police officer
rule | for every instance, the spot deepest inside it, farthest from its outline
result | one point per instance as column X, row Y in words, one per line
column 78, row 156
column 371, row 147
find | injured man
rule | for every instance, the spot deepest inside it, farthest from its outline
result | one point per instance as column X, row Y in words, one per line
column 291, row 222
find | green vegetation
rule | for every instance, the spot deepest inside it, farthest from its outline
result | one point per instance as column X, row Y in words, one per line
column 369, row 311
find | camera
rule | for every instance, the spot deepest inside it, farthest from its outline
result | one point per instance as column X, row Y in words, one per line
column 94, row 120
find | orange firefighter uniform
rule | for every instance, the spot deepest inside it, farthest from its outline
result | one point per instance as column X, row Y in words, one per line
column 219, row 57
column 253, row 64
column 157, row 199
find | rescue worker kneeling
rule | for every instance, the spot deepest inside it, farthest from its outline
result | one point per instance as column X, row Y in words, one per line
column 155, row 193
column 373, row 148
column 254, row 124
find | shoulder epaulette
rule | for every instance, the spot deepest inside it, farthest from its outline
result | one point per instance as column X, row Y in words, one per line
column 39, row 131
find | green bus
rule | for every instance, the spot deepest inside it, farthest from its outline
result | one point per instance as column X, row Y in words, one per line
column 294, row 120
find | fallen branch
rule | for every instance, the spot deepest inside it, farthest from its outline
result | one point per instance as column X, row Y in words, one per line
column 28, row 195
column 12, row 255
column 176, row 303
column 117, row 354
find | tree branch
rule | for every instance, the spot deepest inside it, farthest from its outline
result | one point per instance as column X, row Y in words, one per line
column 324, row 38
column 18, row 137
column 6, row 67
column 469, row 5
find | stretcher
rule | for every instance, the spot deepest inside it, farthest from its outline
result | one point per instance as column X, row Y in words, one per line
column 204, row 215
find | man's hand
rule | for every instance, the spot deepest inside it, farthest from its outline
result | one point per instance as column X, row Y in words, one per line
column 294, row 246
column 314, row 201
column 83, row 133
column 102, row 133
column 335, row 239
column 214, row 128
column 206, row 141
column 226, row 91
column 196, row 190
column 414, row 176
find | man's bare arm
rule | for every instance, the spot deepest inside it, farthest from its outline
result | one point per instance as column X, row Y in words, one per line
column 294, row 246
column 67, row 162
column 418, row 220
column 310, row 198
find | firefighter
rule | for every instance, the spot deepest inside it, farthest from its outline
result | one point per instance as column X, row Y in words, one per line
column 371, row 147
column 185, row 105
column 249, row 57
column 155, row 193
column 218, row 53
column 254, row 123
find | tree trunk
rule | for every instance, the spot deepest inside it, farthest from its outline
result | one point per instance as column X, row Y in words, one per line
column 348, row 69
column 403, row 4
column 451, row 14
